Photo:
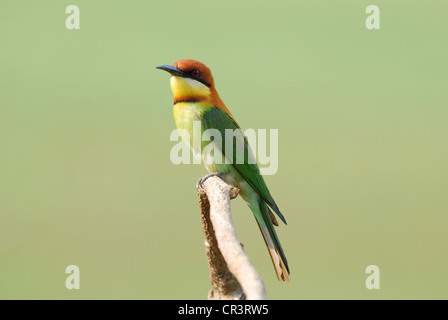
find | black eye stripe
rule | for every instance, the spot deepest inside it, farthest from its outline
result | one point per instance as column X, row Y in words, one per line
column 197, row 77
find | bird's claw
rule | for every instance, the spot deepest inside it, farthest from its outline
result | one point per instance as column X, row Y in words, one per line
column 202, row 180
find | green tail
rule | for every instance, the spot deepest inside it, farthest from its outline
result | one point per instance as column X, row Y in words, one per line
column 261, row 213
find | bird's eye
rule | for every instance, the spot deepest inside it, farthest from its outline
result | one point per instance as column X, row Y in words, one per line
column 195, row 73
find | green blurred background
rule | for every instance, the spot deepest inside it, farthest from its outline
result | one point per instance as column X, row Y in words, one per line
column 85, row 119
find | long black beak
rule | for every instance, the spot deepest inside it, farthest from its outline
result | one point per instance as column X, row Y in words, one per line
column 173, row 70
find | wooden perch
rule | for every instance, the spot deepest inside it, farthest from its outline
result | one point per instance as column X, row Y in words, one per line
column 232, row 275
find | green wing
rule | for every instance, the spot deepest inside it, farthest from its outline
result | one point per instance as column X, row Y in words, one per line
column 214, row 118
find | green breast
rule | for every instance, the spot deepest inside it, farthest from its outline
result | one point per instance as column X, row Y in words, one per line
column 188, row 119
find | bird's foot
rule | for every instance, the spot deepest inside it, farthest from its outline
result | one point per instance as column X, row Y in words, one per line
column 202, row 180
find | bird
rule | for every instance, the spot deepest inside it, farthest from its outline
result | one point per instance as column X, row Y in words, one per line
column 197, row 100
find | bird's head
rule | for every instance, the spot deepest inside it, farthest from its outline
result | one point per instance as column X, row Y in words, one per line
column 191, row 80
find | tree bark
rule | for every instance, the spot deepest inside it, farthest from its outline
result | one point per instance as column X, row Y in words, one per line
column 232, row 275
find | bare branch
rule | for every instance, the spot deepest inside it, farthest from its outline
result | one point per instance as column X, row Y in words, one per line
column 232, row 275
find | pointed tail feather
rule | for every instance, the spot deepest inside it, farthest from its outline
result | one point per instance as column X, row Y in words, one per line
column 273, row 244
column 280, row 265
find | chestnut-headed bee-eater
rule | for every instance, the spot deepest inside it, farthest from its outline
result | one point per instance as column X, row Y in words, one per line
column 196, row 99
